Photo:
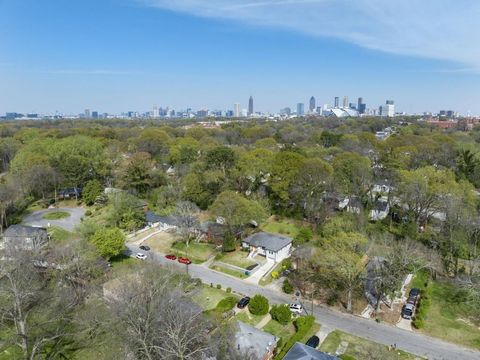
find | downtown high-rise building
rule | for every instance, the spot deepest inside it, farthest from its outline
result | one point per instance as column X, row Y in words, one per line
column 345, row 102
column 300, row 109
column 388, row 110
column 337, row 102
column 250, row 106
column 312, row 104
column 361, row 107
column 87, row 114
column 236, row 110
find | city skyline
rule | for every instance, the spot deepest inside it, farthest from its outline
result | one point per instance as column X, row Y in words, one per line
column 51, row 65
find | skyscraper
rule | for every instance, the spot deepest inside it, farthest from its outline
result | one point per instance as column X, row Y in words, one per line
column 156, row 113
column 345, row 102
column 236, row 110
column 87, row 114
column 300, row 109
column 250, row 106
column 337, row 102
column 388, row 109
column 361, row 107
column 312, row 104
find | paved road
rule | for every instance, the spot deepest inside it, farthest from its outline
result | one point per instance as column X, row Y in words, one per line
column 69, row 224
column 414, row 343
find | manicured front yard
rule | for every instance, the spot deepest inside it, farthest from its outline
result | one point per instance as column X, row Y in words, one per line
column 161, row 242
column 280, row 331
column 197, row 252
column 208, row 297
column 236, row 258
column 359, row 348
column 56, row 215
column 225, row 270
column 248, row 318
column 449, row 317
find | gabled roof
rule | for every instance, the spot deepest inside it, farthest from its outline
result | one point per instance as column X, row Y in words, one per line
column 272, row 242
column 151, row 217
column 253, row 341
column 303, row 352
column 22, row 231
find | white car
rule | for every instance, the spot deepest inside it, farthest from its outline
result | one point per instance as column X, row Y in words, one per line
column 141, row 256
column 296, row 308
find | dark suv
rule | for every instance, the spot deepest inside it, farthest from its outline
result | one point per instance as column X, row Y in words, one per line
column 414, row 292
column 313, row 342
column 243, row 302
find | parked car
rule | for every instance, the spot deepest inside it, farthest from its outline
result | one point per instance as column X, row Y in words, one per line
column 412, row 300
column 141, row 256
column 313, row 342
column 243, row 302
column 407, row 311
column 171, row 257
column 145, row 247
column 414, row 292
column 296, row 308
column 185, row 261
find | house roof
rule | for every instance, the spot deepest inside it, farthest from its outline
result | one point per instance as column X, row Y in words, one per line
column 303, row 352
column 381, row 205
column 272, row 242
column 24, row 231
column 151, row 217
column 252, row 341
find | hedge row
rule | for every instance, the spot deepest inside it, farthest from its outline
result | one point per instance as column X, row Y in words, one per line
column 422, row 307
column 303, row 325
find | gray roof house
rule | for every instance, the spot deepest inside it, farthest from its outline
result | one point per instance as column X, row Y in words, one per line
column 25, row 237
column 272, row 246
column 303, row 352
column 251, row 341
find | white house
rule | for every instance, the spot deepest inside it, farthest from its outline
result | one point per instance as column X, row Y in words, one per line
column 272, row 246
column 380, row 209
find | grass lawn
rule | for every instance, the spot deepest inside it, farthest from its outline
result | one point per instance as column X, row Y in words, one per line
column 228, row 271
column 56, row 215
column 197, row 252
column 248, row 318
column 280, row 331
column 449, row 317
column 360, row 349
column 122, row 265
column 313, row 330
column 284, row 226
column 236, row 258
column 208, row 297
column 161, row 242
column 59, row 235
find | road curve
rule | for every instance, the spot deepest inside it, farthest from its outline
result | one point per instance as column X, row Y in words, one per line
column 412, row 342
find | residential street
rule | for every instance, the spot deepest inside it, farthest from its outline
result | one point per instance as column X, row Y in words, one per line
column 69, row 223
column 414, row 343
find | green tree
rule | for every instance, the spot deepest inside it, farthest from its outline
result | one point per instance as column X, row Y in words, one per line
column 340, row 258
column 109, row 242
column 229, row 243
column 258, row 305
column 221, row 158
column 184, row 151
column 281, row 313
column 287, row 287
column 285, row 168
column 126, row 212
column 139, row 173
column 237, row 210
column 91, row 191
column 352, row 173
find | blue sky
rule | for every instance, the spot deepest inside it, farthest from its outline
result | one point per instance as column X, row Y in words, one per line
column 120, row 55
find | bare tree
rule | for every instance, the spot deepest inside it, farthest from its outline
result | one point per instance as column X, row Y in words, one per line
column 186, row 213
column 158, row 320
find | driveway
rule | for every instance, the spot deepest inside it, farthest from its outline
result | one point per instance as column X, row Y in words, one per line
column 69, row 224
column 411, row 342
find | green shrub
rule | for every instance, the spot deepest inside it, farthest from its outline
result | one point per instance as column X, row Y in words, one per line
column 332, row 299
column 258, row 305
column 219, row 286
column 229, row 242
column 229, row 290
column 281, row 313
column 304, row 235
column 88, row 213
column 287, row 287
column 226, row 304
column 287, row 264
column 347, row 357
column 275, row 275
column 422, row 308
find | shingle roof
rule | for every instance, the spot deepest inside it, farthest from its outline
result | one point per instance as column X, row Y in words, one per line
column 24, row 231
column 303, row 352
column 268, row 241
column 252, row 341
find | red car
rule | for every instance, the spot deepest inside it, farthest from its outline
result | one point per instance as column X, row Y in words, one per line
column 171, row 257
column 185, row 261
